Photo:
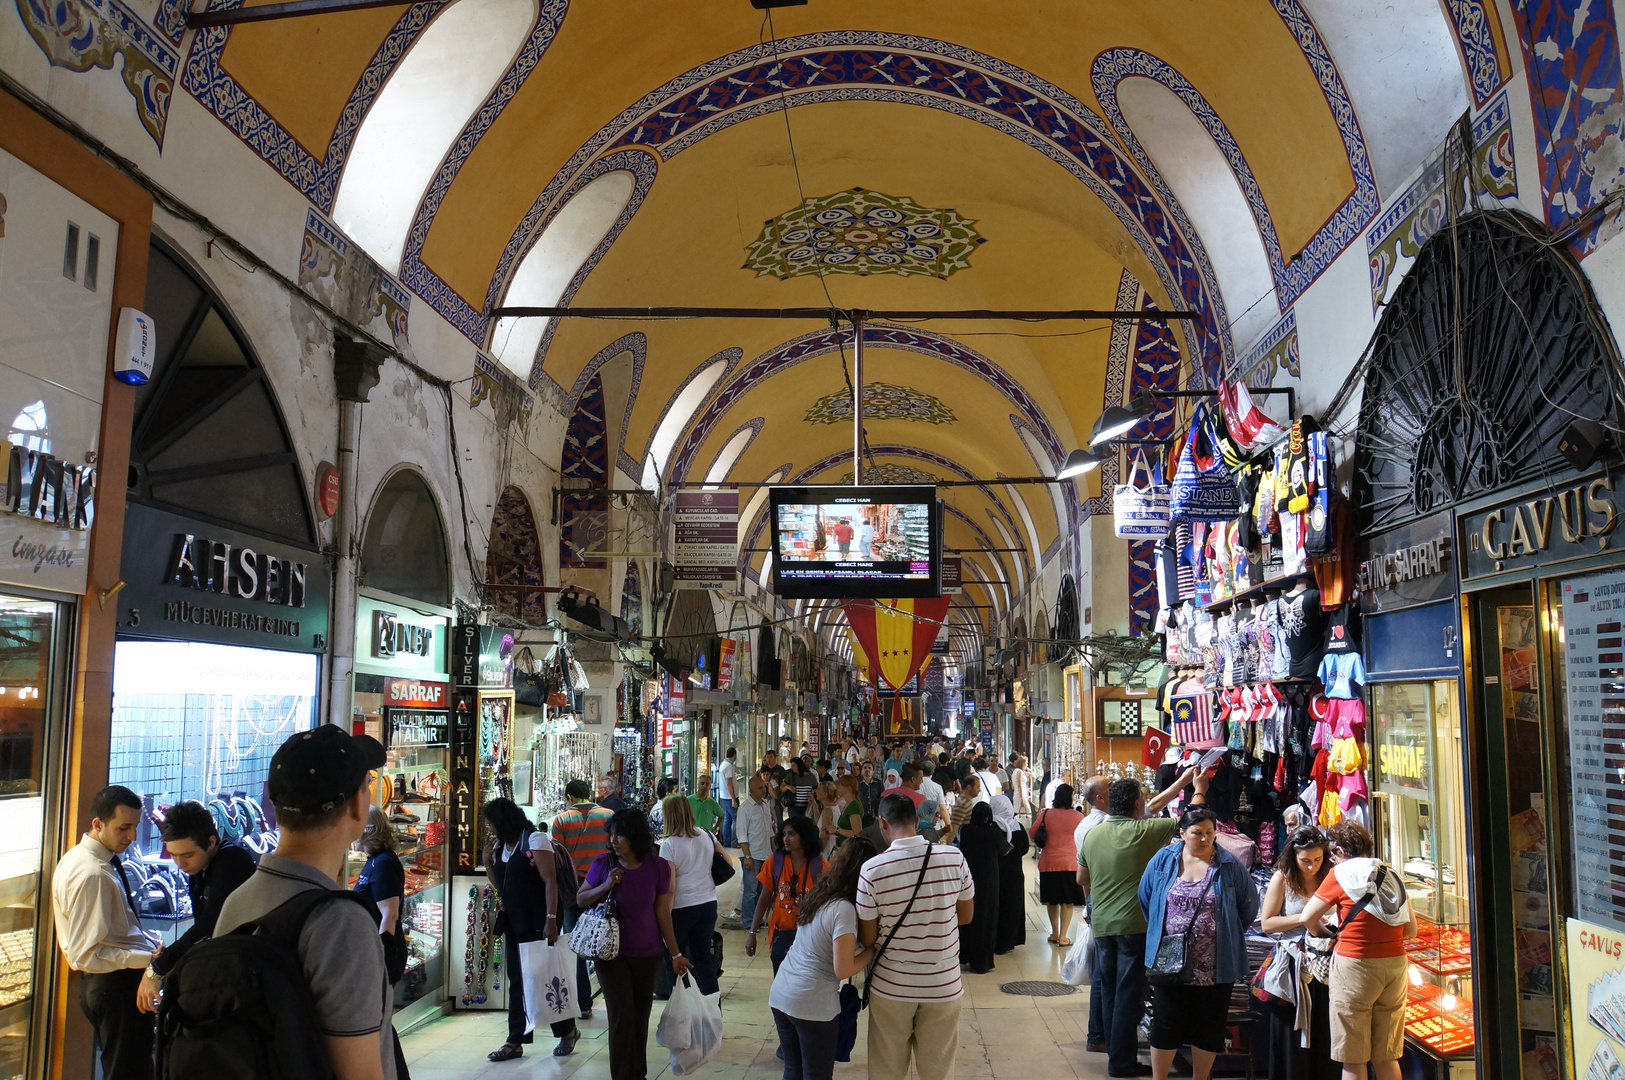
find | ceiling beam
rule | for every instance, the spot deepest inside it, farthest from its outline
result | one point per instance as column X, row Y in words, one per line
column 293, row 9
column 823, row 314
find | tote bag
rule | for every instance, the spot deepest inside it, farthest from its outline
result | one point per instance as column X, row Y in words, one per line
column 1140, row 511
column 1203, row 488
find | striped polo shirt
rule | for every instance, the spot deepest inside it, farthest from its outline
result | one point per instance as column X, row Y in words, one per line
column 584, row 832
column 922, row 961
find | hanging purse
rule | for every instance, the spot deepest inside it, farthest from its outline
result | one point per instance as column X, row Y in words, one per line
column 597, row 933
column 1203, row 488
column 1140, row 511
column 1176, row 959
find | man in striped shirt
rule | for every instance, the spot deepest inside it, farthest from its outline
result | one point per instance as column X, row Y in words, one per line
column 915, row 987
column 583, row 829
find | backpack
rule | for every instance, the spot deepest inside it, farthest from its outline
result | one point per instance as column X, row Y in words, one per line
column 815, row 870
column 239, row 1005
column 564, row 871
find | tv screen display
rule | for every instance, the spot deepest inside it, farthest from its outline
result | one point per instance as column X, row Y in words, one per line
column 840, row 542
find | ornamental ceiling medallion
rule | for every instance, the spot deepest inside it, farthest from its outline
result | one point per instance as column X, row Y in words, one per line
column 887, row 473
column 882, row 401
column 863, row 232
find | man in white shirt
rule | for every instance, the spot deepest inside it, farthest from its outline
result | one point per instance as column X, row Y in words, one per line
column 101, row 936
column 990, row 785
column 726, row 789
column 916, row 993
column 755, row 834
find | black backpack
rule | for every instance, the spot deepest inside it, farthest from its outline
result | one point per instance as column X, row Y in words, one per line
column 240, row 1006
column 564, row 874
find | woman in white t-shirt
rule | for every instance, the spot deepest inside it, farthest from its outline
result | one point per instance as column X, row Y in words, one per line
column 806, row 993
column 694, row 904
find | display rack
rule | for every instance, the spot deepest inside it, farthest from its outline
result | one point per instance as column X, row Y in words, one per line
column 1438, row 1001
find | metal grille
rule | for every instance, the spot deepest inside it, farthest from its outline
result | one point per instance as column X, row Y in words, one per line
column 1038, row 989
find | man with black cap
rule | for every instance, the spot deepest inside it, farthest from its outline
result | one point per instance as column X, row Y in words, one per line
column 321, row 784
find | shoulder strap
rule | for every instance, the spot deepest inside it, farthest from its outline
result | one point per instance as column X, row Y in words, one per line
column 1198, row 911
column 287, row 920
column 1364, row 901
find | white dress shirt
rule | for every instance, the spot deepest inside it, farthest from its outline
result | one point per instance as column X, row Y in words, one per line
column 754, row 827
column 95, row 924
column 989, row 787
column 1094, row 817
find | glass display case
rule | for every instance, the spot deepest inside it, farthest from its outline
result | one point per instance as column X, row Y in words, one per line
column 1418, row 823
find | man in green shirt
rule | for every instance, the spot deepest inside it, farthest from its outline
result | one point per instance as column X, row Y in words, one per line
column 1113, row 859
column 707, row 811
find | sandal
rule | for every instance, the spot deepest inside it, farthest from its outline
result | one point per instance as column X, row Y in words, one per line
column 1064, row 943
column 505, row 1052
column 1050, row 939
column 567, row 1045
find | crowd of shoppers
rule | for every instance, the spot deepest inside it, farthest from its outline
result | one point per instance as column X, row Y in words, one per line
column 1168, row 906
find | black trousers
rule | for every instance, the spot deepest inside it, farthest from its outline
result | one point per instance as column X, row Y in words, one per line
column 628, row 986
column 124, row 1033
column 572, row 915
column 517, row 1021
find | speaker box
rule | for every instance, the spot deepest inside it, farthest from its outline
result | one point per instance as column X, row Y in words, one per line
column 1582, row 442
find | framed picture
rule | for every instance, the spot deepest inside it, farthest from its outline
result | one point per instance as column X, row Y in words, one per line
column 593, row 709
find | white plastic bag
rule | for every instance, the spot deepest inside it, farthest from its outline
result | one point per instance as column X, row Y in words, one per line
column 549, row 973
column 1078, row 967
column 690, row 1027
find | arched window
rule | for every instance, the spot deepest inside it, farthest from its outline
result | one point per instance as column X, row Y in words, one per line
column 404, row 548
column 682, row 409
column 545, row 271
column 209, row 440
column 419, row 113
column 729, row 455
column 513, row 562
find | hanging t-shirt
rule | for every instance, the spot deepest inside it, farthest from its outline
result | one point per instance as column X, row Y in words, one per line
column 1303, row 626
column 1335, row 569
column 1343, row 674
column 1342, row 629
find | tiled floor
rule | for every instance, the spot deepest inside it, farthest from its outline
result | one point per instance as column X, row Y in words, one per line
column 1001, row 1037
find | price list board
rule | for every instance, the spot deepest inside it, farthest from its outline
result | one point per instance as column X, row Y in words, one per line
column 1594, row 663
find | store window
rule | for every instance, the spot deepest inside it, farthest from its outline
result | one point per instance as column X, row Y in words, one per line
column 32, row 632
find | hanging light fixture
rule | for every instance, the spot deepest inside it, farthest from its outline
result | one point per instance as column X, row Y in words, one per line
column 1118, row 420
column 1077, row 463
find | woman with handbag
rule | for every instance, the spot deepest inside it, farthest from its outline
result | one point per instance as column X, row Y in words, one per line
column 806, row 993
column 691, row 851
column 1198, row 902
column 1058, row 888
column 1299, row 871
column 641, row 885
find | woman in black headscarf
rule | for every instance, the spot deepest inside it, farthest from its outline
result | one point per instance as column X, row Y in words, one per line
column 1012, row 879
column 982, row 844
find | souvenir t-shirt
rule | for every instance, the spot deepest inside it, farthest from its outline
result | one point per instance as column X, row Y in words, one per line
column 1343, row 674
column 1303, row 625
column 1342, row 629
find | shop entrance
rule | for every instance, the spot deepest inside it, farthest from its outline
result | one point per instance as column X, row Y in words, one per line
column 1513, row 729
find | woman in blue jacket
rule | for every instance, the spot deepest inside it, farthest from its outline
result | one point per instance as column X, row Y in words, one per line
column 1193, row 887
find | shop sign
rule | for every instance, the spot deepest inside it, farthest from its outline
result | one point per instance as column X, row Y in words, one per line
column 706, row 552
column 1596, row 956
column 327, row 490
column 410, row 694
column 725, row 663
column 952, row 571
column 1402, row 760
column 1407, row 566
column 1547, row 526
column 464, row 841
column 201, row 582
column 396, row 640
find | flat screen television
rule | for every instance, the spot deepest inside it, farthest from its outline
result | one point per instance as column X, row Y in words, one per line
column 849, row 542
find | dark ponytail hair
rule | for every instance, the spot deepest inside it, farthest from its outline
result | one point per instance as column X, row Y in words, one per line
column 1196, row 815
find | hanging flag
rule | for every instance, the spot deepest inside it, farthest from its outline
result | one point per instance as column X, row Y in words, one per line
column 893, row 638
column 1195, row 726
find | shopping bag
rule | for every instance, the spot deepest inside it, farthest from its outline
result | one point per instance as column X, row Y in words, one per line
column 549, row 973
column 1203, row 488
column 693, row 1020
column 1140, row 510
column 1077, row 968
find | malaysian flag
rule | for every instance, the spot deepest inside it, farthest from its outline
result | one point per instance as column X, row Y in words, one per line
column 1195, row 726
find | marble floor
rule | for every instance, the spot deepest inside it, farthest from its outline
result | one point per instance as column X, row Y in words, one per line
column 1001, row 1036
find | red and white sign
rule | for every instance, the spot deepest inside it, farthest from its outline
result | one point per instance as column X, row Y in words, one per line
column 677, row 702
column 327, row 489
column 412, row 694
column 665, row 733
column 725, row 663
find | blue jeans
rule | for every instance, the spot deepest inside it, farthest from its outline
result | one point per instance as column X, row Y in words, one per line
column 780, row 948
column 750, row 890
column 1097, row 1005
column 729, row 813
column 692, row 927
column 1120, row 959
column 808, row 1045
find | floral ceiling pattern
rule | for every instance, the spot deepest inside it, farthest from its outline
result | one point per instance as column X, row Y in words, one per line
column 889, row 473
column 863, row 232
column 882, row 401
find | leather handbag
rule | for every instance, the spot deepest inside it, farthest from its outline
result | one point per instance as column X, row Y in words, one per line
column 1203, row 488
column 1041, row 832
column 1175, row 958
column 721, row 869
column 597, row 933
column 1140, row 510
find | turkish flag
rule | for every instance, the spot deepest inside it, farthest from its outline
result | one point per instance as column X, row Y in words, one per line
column 1152, row 747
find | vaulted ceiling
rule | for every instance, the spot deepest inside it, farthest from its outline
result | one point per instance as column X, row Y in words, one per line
column 1211, row 155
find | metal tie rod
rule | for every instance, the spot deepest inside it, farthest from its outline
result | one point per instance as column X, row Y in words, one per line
column 825, row 313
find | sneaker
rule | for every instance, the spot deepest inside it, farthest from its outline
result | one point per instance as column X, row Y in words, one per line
column 1139, row 1068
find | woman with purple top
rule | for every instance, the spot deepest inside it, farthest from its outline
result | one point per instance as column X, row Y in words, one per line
column 643, row 885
